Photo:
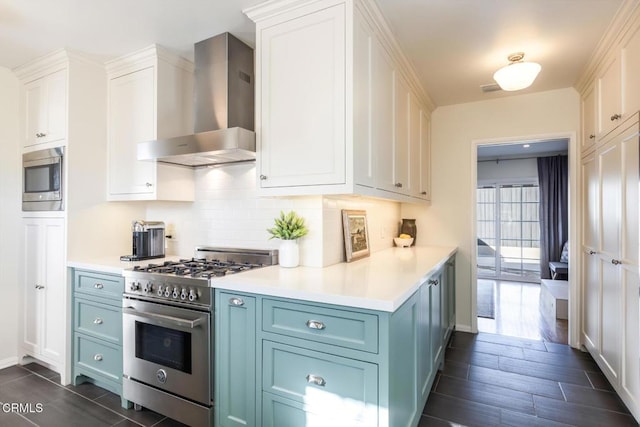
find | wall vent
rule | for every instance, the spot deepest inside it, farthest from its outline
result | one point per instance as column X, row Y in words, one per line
column 491, row 87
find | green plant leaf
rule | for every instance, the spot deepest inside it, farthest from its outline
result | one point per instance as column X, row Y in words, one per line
column 288, row 227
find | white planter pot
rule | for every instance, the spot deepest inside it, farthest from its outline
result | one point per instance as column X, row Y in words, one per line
column 288, row 253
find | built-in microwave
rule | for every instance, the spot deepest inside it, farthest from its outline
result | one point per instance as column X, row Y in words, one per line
column 42, row 180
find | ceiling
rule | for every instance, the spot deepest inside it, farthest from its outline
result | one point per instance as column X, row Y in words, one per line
column 455, row 45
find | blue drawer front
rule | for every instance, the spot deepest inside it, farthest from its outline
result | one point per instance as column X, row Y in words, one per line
column 98, row 320
column 99, row 357
column 99, row 284
column 324, row 382
column 326, row 325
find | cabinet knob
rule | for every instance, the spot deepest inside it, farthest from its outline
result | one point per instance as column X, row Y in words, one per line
column 317, row 380
column 148, row 184
column 238, row 302
column 97, row 321
column 592, row 136
column 615, row 117
column 434, row 282
column 39, row 287
column 263, row 177
column 398, row 184
column 41, row 135
column 592, row 252
column 98, row 286
column 616, row 262
column 97, row 357
column 314, row 324
column 424, row 193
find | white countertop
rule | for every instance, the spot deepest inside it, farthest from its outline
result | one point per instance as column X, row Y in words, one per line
column 382, row 281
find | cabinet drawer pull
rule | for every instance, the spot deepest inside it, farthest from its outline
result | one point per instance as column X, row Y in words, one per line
column 315, row 324
column 317, row 380
column 434, row 282
column 616, row 262
column 615, row 117
column 97, row 357
column 238, row 302
column 97, row 321
column 398, row 184
column 592, row 136
column 39, row 287
column 98, row 286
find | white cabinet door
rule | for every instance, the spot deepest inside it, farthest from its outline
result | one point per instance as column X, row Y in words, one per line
column 132, row 119
column 302, row 101
column 413, row 154
column 630, row 75
column 401, row 142
column 610, row 97
column 46, row 109
column 591, row 292
column 425, row 156
column 589, row 120
column 382, row 115
column 44, row 294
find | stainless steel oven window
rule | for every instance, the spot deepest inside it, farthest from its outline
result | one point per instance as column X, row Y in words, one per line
column 164, row 346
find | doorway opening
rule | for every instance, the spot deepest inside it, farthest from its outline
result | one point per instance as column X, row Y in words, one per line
column 512, row 252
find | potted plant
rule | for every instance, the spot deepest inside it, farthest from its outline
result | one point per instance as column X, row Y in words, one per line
column 288, row 228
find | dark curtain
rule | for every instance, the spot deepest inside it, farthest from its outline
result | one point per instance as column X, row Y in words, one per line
column 553, row 181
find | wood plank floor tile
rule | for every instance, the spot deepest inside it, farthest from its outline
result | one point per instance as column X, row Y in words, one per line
column 512, row 341
column 88, row 390
column 498, row 349
column 12, row 373
column 541, row 370
column 13, row 420
column 429, row 421
column 31, row 389
column 516, row 419
column 580, row 415
column 599, row 381
column 461, row 411
column 455, row 369
column 596, row 398
column 472, row 358
column 487, row 394
column 568, row 360
column 518, row 382
column 73, row 410
column 145, row 417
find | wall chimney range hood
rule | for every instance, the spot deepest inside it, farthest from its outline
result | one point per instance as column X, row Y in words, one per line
column 223, row 109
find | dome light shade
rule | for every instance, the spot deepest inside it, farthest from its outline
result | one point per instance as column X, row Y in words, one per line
column 518, row 74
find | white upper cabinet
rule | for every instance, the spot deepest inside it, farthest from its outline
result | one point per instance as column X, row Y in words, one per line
column 631, row 74
column 333, row 112
column 589, row 119
column 425, row 156
column 610, row 96
column 149, row 97
column 46, row 109
column 302, row 100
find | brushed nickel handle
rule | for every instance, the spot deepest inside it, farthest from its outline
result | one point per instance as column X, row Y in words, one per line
column 592, row 252
column 317, row 380
column 97, row 357
column 98, row 321
column 315, row 324
column 98, row 286
column 398, row 184
column 616, row 262
column 434, row 282
column 39, row 287
column 238, row 302
column 148, row 184
column 592, row 136
column 263, row 177
column 615, row 117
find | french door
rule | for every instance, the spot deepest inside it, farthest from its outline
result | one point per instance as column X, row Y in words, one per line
column 508, row 232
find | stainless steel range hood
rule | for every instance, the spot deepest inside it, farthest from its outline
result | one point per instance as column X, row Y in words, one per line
column 224, row 109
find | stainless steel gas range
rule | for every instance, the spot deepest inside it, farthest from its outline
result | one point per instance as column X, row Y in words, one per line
column 168, row 330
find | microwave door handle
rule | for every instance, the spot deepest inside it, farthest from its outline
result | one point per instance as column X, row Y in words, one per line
column 175, row 320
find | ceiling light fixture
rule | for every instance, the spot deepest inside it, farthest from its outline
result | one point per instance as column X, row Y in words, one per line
column 518, row 74
column 526, row 146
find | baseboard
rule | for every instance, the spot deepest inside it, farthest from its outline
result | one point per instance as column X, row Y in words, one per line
column 9, row 361
column 463, row 328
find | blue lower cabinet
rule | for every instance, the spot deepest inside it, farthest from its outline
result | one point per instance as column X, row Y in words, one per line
column 97, row 330
column 327, row 383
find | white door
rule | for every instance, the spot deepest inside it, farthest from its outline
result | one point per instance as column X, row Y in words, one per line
column 591, row 294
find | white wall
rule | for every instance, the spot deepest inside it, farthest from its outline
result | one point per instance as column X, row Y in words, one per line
column 10, row 196
column 228, row 212
column 512, row 170
column 448, row 220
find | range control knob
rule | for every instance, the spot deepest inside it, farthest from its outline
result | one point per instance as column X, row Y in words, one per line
column 148, row 287
column 160, row 291
column 183, row 294
column 192, row 295
column 134, row 286
column 167, row 292
column 176, row 293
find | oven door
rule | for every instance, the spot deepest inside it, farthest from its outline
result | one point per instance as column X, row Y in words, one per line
column 168, row 348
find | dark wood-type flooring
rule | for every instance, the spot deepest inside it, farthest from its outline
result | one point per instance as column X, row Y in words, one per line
column 85, row 405
column 487, row 380
column 496, row 380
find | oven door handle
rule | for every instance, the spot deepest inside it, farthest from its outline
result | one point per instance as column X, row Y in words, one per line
column 175, row 320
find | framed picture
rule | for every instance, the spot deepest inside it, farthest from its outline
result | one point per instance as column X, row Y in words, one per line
column 356, row 234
